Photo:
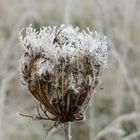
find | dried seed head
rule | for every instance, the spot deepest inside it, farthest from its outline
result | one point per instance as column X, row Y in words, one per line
column 61, row 67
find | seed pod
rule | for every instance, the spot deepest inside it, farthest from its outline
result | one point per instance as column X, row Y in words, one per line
column 61, row 67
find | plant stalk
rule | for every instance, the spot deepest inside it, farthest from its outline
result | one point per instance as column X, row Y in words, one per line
column 67, row 131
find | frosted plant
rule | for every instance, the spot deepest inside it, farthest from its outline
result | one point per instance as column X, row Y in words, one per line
column 61, row 67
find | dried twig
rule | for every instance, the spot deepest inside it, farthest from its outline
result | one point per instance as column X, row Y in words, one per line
column 115, row 126
column 53, row 129
column 133, row 136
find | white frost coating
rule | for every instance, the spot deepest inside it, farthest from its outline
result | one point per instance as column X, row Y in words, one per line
column 42, row 65
column 63, row 41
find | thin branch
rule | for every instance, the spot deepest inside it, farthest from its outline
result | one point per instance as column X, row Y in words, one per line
column 53, row 129
column 33, row 117
column 133, row 136
column 115, row 126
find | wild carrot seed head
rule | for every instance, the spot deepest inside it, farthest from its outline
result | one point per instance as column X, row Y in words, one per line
column 61, row 67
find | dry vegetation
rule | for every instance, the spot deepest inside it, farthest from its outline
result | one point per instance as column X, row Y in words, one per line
column 114, row 113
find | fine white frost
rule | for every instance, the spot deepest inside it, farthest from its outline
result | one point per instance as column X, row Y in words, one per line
column 63, row 41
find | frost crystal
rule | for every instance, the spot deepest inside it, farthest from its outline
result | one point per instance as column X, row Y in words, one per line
column 61, row 66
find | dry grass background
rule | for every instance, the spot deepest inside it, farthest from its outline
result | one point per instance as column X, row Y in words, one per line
column 114, row 113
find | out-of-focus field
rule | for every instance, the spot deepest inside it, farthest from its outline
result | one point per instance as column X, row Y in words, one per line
column 114, row 113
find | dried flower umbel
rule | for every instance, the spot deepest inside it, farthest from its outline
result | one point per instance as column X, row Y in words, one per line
column 61, row 67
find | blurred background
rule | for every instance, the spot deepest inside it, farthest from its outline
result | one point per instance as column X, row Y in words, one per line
column 114, row 112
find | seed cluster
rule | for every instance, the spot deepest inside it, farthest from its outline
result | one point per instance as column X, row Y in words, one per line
column 61, row 67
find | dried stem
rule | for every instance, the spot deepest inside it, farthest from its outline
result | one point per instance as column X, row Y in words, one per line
column 52, row 130
column 67, row 131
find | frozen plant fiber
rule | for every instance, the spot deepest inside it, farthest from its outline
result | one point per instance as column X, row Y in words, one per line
column 61, row 67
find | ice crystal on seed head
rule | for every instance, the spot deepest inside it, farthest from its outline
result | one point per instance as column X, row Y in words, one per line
column 67, row 64
column 63, row 41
